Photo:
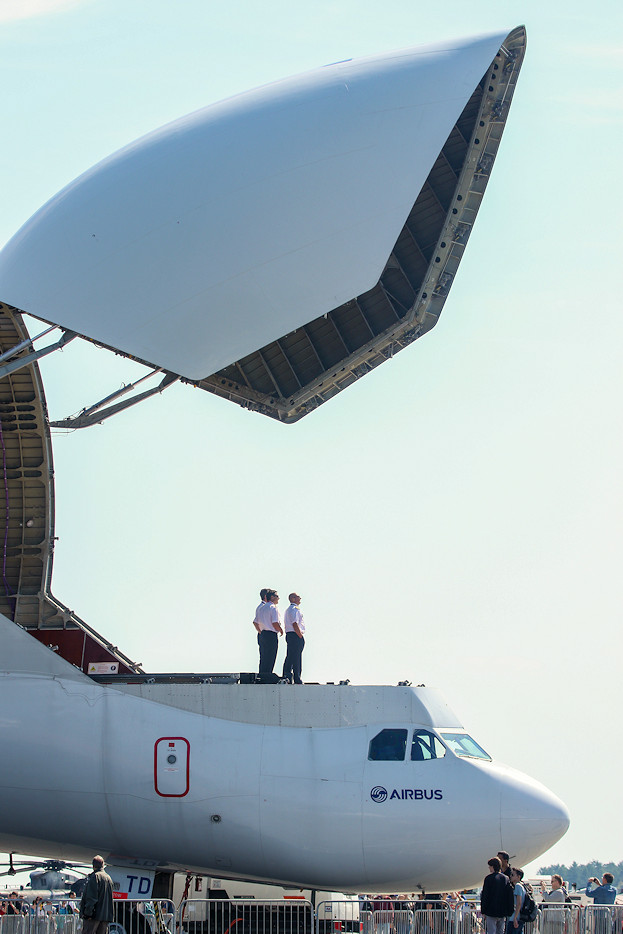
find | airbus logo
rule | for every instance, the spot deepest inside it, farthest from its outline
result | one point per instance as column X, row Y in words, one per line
column 378, row 794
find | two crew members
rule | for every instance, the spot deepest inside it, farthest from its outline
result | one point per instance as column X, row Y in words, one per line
column 268, row 625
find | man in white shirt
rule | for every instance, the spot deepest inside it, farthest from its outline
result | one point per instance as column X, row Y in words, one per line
column 295, row 627
column 268, row 624
column 263, row 593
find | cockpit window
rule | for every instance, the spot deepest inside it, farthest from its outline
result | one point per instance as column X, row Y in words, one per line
column 425, row 746
column 463, row 745
column 388, row 746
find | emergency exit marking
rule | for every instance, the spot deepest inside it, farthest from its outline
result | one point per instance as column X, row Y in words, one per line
column 171, row 766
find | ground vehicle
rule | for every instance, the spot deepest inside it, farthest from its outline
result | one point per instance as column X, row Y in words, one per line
column 208, row 904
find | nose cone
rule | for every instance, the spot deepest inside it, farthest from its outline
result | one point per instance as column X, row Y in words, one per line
column 532, row 818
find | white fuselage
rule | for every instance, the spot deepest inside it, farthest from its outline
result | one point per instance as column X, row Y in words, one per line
column 88, row 772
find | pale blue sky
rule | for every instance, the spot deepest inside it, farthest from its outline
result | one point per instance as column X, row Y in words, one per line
column 454, row 518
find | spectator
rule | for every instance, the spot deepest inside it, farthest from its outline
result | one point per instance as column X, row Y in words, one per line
column 504, row 859
column 552, row 907
column 14, row 906
column 605, row 893
column 96, row 906
column 515, row 924
column 495, row 898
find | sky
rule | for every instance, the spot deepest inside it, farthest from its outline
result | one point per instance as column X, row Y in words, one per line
column 454, row 518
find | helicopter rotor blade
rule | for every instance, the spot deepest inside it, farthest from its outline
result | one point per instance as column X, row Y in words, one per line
column 54, row 865
column 12, row 871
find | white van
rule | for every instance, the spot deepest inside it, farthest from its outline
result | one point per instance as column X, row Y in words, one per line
column 335, row 910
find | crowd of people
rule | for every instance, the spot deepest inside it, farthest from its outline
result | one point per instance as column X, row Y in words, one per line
column 415, row 902
column 95, row 907
column 503, row 897
column 40, row 907
column 507, row 903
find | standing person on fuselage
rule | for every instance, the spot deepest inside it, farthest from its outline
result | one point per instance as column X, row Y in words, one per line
column 294, row 625
column 268, row 624
column 494, row 900
column 263, row 593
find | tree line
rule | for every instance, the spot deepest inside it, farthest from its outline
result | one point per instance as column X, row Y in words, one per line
column 580, row 873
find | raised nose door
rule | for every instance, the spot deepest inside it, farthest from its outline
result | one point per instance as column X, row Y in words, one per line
column 172, row 766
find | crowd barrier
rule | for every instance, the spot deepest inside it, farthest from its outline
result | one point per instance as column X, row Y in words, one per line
column 297, row 916
column 245, row 916
column 440, row 917
column 131, row 916
column 603, row 919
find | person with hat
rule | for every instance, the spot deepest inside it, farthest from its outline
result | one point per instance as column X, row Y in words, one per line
column 96, row 905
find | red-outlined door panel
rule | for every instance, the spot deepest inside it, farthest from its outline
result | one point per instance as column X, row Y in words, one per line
column 172, row 766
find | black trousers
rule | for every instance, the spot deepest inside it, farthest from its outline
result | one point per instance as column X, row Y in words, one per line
column 293, row 664
column 267, row 642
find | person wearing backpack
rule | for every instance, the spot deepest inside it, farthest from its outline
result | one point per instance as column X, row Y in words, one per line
column 525, row 909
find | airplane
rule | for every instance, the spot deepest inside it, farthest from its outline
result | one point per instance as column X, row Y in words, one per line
column 319, row 786
column 271, row 249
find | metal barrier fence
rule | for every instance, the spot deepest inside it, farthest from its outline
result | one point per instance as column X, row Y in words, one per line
column 130, row 916
column 438, row 917
column 245, row 916
column 347, row 916
column 40, row 919
column 407, row 917
column 560, row 919
column 603, row 919
column 398, row 921
column 433, row 917
column 296, row 916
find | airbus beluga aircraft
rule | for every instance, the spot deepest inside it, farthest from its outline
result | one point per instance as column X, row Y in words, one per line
column 271, row 249
column 380, row 787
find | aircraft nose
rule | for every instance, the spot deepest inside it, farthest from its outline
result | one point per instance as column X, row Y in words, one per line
column 532, row 818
